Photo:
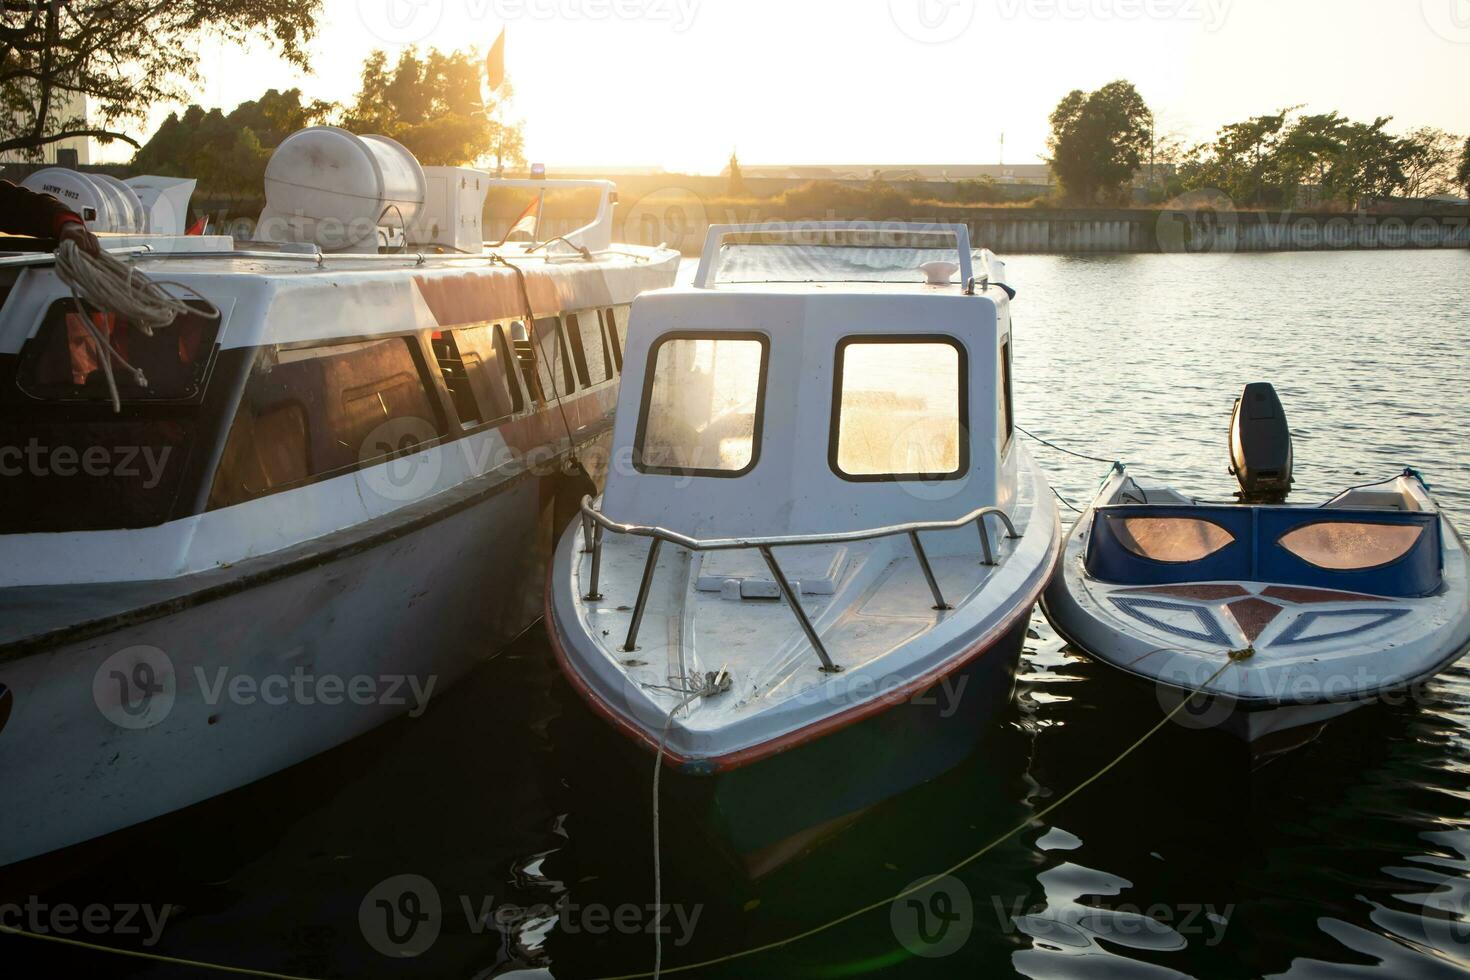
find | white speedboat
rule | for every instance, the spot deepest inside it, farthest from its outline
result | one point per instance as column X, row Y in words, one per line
column 311, row 513
column 812, row 579
column 1279, row 616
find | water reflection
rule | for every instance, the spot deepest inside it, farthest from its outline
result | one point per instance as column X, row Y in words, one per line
column 1349, row 854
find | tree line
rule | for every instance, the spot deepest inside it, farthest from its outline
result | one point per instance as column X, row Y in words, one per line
column 431, row 103
column 1103, row 143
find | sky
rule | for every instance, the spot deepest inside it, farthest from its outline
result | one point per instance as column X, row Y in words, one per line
column 679, row 84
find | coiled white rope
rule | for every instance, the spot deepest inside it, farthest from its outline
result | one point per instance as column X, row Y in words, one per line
column 114, row 286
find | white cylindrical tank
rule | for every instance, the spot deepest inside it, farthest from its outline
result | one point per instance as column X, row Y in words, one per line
column 340, row 186
column 133, row 215
column 104, row 203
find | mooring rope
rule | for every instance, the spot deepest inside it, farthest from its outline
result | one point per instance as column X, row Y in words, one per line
column 658, row 971
column 1235, row 657
column 1063, row 449
column 114, row 286
column 715, row 683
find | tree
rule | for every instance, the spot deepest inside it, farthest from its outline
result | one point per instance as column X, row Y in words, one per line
column 123, row 57
column 434, row 106
column 1463, row 174
column 1242, row 162
column 1429, row 168
column 1098, row 141
column 227, row 154
column 736, row 181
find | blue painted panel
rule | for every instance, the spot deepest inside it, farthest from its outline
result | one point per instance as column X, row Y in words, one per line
column 1256, row 554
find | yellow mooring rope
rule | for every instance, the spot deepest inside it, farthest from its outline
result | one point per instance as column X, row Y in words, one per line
column 1235, row 657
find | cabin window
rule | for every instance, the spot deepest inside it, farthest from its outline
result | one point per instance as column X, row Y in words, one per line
column 1350, row 547
column 308, row 413
column 703, row 398
column 64, row 362
column 489, row 371
column 553, row 363
column 525, row 355
column 615, row 346
column 594, row 365
column 1173, row 540
column 900, row 409
column 455, row 367
column 1007, row 398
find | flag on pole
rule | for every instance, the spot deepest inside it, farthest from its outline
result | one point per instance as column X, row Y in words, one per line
column 495, row 63
column 528, row 222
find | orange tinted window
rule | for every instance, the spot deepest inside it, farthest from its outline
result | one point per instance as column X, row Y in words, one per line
column 1171, row 539
column 1348, row 547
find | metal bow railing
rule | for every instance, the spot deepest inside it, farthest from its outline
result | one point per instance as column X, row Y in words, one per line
column 594, row 523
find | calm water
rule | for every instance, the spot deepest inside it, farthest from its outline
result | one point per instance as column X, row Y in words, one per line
column 1348, row 856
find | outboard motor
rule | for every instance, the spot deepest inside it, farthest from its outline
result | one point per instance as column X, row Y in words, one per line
column 1260, row 446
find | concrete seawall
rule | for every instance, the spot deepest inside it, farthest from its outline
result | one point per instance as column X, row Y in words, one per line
column 682, row 222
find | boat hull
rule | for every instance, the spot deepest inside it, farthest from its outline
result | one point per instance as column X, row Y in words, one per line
column 246, row 683
column 1266, row 656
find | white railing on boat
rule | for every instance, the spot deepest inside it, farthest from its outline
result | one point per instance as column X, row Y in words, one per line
column 594, row 522
column 709, row 263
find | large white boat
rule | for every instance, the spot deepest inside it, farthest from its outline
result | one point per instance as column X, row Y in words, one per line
column 305, row 516
column 811, row 588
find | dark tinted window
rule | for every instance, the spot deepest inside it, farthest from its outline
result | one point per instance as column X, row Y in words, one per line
column 491, row 371
column 453, row 367
column 614, row 345
column 553, row 363
column 593, row 361
column 320, row 411
column 63, row 362
column 1007, row 407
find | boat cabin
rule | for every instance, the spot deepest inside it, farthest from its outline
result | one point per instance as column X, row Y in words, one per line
column 818, row 388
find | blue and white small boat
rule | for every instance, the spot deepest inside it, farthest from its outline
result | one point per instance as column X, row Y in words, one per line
column 1317, row 609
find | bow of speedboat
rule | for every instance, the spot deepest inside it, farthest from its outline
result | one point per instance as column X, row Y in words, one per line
column 1278, row 616
column 881, row 636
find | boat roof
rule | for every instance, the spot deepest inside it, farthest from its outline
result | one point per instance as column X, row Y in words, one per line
column 273, row 295
column 846, row 256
